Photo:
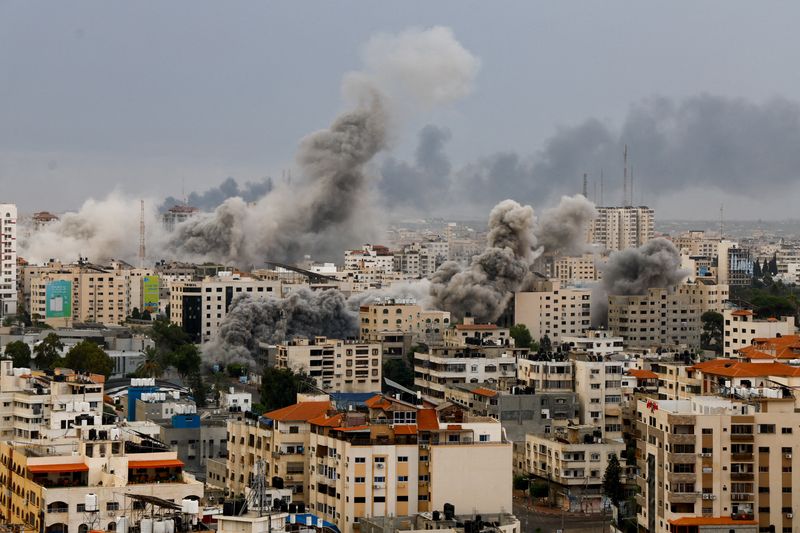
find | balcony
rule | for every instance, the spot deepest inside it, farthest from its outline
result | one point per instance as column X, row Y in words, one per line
column 682, row 438
column 748, row 457
column 681, row 477
column 741, row 497
column 742, row 476
column 683, row 458
column 741, row 437
column 683, row 497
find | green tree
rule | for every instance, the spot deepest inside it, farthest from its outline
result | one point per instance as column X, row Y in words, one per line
column 398, row 371
column 539, row 489
column 146, row 315
column 545, row 346
column 20, row 353
column 279, row 387
column 48, row 352
column 186, row 360
column 86, row 356
column 756, row 270
column 153, row 365
column 521, row 335
column 773, row 265
column 713, row 330
column 135, row 314
column 521, row 483
column 612, row 481
column 199, row 389
column 168, row 337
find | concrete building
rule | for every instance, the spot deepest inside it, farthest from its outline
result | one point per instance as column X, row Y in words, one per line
column 552, row 310
column 471, row 334
column 545, row 374
column 734, row 264
column 742, row 328
column 595, row 342
column 8, row 259
column 598, row 383
column 714, row 461
column 441, row 367
column 569, row 270
column 500, row 523
column 618, row 228
column 177, row 214
column 573, row 462
column 216, row 295
column 88, row 489
column 369, row 258
column 392, row 315
column 335, row 365
column 400, row 459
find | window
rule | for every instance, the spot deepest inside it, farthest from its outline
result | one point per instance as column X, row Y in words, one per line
column 361, row 459
column 359, row 499
column 358, row 479
column 402, row 498
column 112, row 506
column 379, row 499
column 708, row 431
column 402, row 459
column 402, row 479
column 786, row 431
column 484, row 438
column 380, row 479
column 766, row 428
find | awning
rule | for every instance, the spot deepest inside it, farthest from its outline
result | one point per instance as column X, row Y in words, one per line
column 159, row 463
column 60, row 467
column 406, row 429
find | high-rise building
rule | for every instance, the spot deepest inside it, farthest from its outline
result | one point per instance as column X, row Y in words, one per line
column 618, row 228
column 334, row 364
column 8, row 259
column 552, row 310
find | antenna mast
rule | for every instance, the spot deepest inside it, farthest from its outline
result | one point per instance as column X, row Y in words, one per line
column 625, row 177
column 585, row 186
column 721, row 220
column 141, row 235
column 601, row 186
column 632, row 197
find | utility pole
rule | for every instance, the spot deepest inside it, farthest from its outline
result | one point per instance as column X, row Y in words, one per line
column 141, row 235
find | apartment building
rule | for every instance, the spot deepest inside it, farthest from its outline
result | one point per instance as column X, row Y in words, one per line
column 784, row 348
column 401, row 459
column 421, row 259
column 177, row 214
column 598, row 383
column 440, row 367
column 741, row 329
column 545, row 373
column 618, row 228
column 595, row 342
column 555, row 311
column 49, row 492
column 8, row 259
column 572, row 461
column 569, row 270
column 335, row 365
column 471, row 334
column 369, row 258
column 216, row 296
column 711, row 462
column 697, row 243
column 734, row 264
column 393, row 315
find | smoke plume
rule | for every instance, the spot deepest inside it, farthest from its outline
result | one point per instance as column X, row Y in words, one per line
column 563, row 229
column 304, row 313
column 483, row 289
column 209, row 199
column 655, row 264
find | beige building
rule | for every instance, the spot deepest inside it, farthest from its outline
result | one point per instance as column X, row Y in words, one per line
column 552, row 310
column 335, row 365
column 402, row 316
column 8, row 259
column 545, row 375
column 618, row 228
column 665, row 318
column 714, row 461
column 742, row 328
column 598, row 383
column 400, row 459
column 573, row 461
column 568, row 270
column 471, row 334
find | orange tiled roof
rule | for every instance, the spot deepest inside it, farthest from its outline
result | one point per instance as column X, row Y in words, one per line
column 427, row 420
column 742, row 312
column 642, row 374
column 454, row 427
column 710, row 521
column 405, row 429
column 61, row 467
column 378, row 401
column 740, row 369
column 353, row 428
column 482, row 391
column 327, row 421
column 303, row 411
column 784, row 347
column 158, row 463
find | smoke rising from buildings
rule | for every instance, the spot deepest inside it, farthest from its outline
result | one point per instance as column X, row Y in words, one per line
column 562, row 229
column 304, row 313
column 484, row 288
column 329, row 207
column 655, row 264
column 209, row 199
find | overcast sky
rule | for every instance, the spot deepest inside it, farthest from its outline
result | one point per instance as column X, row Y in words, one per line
column 147, row 96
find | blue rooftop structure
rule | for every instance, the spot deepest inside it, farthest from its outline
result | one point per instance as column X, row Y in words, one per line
column 312, row 520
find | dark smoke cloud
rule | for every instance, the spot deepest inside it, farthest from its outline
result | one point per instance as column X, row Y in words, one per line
column 303, row 313
column 485, row 287
column 422, row 184
column 563, row 229
column 209, row 199
column 703, row 141
column 655, row 264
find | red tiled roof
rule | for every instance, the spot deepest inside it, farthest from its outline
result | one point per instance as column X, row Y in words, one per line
column 353, row 428
column 741, row 369
column 327, row 421
column 427, row 420
column 378, row 402
column 58, row 468
column 642, row 374
column 482, row 391
column 303, row 411
column 784, row 347
column 742, row 312
column 405, row 429
column 454, row 427
column 158, row 463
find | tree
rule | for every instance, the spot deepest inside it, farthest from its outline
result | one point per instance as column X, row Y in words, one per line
column 757, row 270
column 612, row 481
column 135, row 314
column 86, row 356
column 153, row 365
column 713, row 330
column 773, row 265
column 199, row 390
column 279, row 387
column 20, row 353
column 521, row 483
column 521, row 335
column 398, row 371
column 545, row 346
column 186, row 360
column 48, row 352
column 146, row 315
column 168, row 337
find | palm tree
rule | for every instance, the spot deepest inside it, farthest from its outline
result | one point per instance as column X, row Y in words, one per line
column 151, row 367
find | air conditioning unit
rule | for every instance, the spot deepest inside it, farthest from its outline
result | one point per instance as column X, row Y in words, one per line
column 709, row 496
column 379, row 466
column 789, row 515
column 787, row 456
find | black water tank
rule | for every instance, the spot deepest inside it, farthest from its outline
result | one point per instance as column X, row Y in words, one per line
column 449, row 511
column 301, row 507
column 292, row 508
column 277, row 482
column 436, row 516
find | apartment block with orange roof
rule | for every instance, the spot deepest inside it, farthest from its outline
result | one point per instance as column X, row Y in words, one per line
column 741, row 328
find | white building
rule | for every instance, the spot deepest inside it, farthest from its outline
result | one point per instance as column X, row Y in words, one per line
column 741, row 327
column 553, row 310
column 595, row 342
column 336, row 365
column 8, row 259
column 618, row 228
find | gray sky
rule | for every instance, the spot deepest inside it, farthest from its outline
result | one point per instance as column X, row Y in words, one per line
column 144, row 96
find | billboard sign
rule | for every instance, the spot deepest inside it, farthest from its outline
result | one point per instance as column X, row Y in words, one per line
column 58, row 296
column 150, row 296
